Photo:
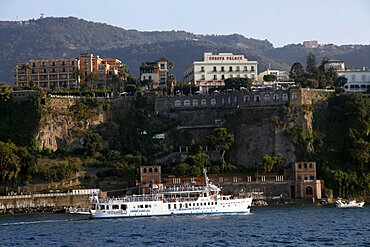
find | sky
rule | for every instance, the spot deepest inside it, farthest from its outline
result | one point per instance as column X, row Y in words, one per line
column 281, row 22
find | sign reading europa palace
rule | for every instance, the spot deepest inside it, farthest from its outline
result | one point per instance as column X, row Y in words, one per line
column 225, row 58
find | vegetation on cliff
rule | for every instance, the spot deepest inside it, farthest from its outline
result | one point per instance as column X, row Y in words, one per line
column 342, row 143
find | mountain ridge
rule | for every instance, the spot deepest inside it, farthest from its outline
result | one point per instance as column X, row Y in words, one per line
column 56, row 37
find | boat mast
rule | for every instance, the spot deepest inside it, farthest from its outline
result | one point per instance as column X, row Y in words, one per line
column 206, row 179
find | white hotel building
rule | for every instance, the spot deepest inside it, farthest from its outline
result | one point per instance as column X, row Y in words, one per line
column 214, row 69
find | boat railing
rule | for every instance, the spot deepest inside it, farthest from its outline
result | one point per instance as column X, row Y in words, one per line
column 134, row 198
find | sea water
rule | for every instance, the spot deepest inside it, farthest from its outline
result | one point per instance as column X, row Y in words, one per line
column 265, row 226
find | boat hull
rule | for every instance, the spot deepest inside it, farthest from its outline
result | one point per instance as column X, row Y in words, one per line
column 160, row 208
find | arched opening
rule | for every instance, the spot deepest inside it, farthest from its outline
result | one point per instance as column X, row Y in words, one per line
column 144, row 170
column 309, row 190
column 155, row 169
column 150, row 170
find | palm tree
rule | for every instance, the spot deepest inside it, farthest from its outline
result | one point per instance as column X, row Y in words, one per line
column 77, row 74
column 26, row 67
column 92, row 78
column 123, row 73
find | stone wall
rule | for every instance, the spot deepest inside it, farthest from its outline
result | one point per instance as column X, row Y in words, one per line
column 237, row 99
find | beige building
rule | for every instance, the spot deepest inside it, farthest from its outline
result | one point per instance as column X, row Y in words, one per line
column 215, row 68
column 155, row 74
column 280, row 75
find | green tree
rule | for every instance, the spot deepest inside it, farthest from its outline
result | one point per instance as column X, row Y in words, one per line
column 123, row 74
column 237, row 83
column 222, row 140
column 171, row 83
column 199, row 159
column 311, row 67
column 92, row 78
column 270, row 78
column 77, row 74
column 5, row 92
column 297, row 74
column 10, row 165
column 269, row 162
column 92, row 143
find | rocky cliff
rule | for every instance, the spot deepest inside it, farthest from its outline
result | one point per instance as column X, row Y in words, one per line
column 64, row 122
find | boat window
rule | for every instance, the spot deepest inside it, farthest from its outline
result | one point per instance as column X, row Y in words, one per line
column 107, row 207
column 174, row 206
column 169, row 206
column 123, row 206
column 115, row 206
column 209, row 203
column 102, row 207
column 197, row 204
column 180, row 205
column 186, row 205
column 205, row 194
column 215, row 203
column 146, row 206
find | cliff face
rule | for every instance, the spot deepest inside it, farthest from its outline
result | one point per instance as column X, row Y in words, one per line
column 62, row 126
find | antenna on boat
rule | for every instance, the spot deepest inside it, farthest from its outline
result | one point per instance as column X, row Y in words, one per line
column 206, row 179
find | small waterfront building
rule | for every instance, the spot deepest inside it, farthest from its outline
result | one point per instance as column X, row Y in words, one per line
column 306, row 185
column 150, row 177
column 155, row 74
column 215, row 68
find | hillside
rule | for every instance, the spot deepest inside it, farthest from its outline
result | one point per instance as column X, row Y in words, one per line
column 68, row 37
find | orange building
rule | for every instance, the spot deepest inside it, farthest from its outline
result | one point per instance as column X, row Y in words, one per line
column 97, row 71
column 62, row 72
column 150, row 177
column 306, row 184
column 47, row 73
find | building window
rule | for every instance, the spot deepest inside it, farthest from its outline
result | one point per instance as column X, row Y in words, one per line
column 73, row 62
column 231, row 68
column 214, row 69
column 203, row 102
column 162, row 66
column 214, row 77
column 63, row 63
column 309, row 190
column 187, row 103
column 252, row 68
column 150, row 170
column 222, row 69
column 202, row 69
column 276, row 97
column 267, row 97
column 235, row 179
column 155, row 169
column 246, row 98
column 223, row 77
column 203, row 77
column 237, row 68
column 285, row 97
column 33, row 64
column 195, row 103
column 213, row 102
column 53, row 64
column 177, row 103
column 245, row 68
column 256, row 98
column 294, row 96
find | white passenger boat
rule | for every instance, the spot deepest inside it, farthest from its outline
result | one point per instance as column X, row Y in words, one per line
column 349, row 204
column 206, row 199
